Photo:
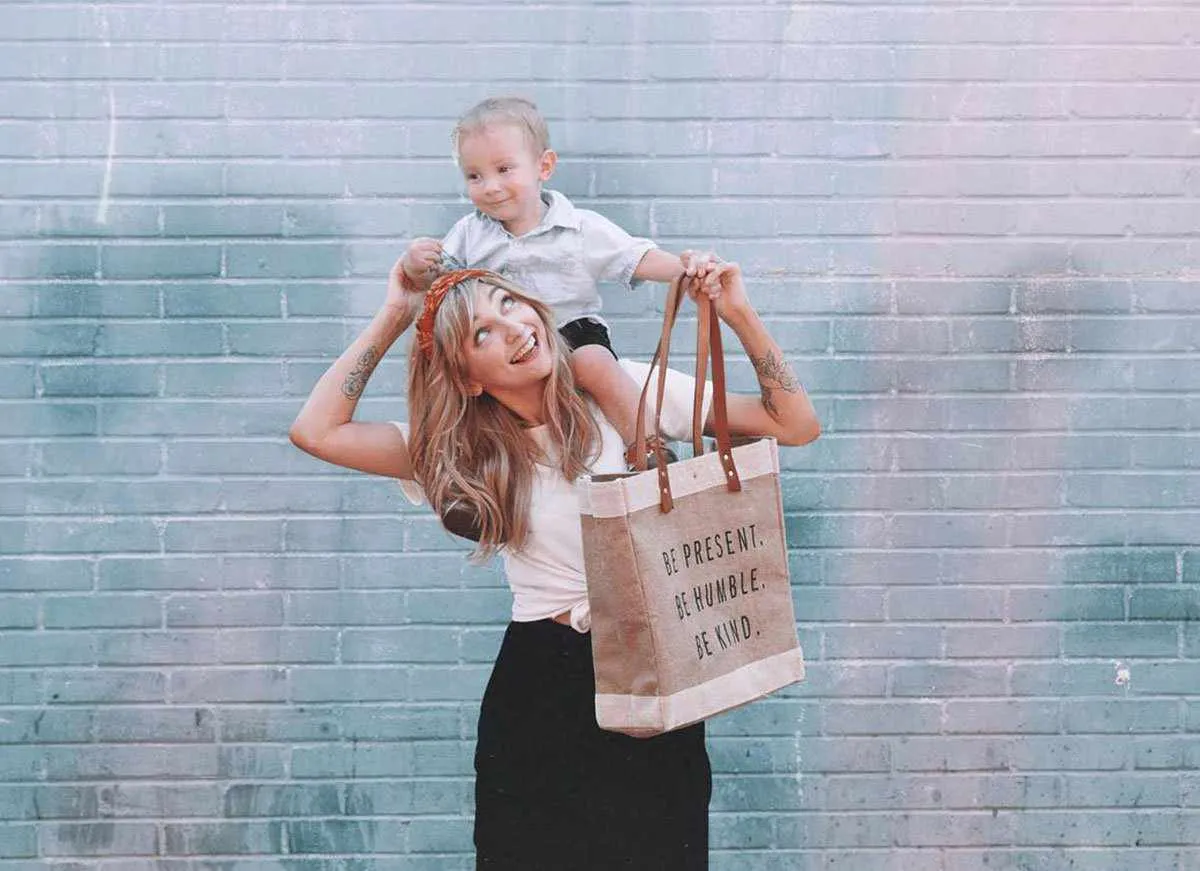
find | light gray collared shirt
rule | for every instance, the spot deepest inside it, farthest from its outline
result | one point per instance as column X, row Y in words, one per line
column 560, row 261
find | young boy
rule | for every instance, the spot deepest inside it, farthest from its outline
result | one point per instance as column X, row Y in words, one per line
column 541, row 241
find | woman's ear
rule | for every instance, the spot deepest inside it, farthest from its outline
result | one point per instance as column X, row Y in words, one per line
column 474, row 389
column 546, row 164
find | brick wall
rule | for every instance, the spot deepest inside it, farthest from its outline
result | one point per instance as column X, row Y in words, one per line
column 972, row 227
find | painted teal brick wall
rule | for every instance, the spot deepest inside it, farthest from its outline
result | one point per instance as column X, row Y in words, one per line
column 973, row 228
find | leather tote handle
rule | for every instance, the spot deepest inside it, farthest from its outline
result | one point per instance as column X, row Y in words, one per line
column 708, row 341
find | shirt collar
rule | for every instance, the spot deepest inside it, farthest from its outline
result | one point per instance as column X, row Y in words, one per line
column 559, row 213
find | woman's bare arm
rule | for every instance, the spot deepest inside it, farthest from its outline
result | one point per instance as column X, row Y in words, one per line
column 325, row 427
column 782, row 408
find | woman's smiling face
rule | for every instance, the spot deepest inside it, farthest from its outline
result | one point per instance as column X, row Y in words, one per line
column 507, row 349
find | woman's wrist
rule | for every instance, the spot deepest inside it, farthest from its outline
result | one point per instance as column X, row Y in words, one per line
column 397, row 314
column 741, row 317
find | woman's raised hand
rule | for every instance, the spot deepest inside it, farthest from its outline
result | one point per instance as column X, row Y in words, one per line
column 401, row 293
column 721, row 282
column 420, row 263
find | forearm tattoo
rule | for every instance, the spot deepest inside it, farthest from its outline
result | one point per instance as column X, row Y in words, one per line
column 774, row 373
column 356, row 381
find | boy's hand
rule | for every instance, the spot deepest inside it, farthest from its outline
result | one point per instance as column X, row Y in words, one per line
column 422, row 261
column 722, row 284
column 700, row 266
column 400, row 292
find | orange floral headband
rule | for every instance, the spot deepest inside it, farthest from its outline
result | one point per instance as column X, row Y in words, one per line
column 433, row 301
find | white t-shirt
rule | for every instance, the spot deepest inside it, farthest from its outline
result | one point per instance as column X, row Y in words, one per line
column 546, row 575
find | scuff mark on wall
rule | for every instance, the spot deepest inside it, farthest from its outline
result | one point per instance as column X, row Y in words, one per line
column 111, row 147
column 1123, row 676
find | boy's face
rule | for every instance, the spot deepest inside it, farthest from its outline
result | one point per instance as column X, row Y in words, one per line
column 504, row 175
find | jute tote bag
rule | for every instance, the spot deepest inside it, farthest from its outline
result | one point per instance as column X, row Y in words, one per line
column 687, row 569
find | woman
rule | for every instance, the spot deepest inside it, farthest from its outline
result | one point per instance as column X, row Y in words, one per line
column 499, row 435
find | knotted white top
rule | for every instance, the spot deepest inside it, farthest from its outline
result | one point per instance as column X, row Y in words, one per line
column 546, row 575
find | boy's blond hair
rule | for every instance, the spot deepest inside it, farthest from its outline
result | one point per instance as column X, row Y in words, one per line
column 517, row 111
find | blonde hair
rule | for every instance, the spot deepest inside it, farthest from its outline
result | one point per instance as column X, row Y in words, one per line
column 472, row 452
column 516, row 111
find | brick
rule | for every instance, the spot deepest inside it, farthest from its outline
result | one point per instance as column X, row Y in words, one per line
column 834, row 604
column 104, row 458
column 935, row 680
column 406, row 796
column 967, row 716
column 345, row 684
column 54, row 574
column 208, row 838
column 842, row 680
column 159, row 573
column 258, row 646
column 342, row 534
column 19, row 339
column 1140, row 716
column 156, row 648
column 161, row 800
column 16, row 381
column 57, row 726
column 105, row 685
column 344, row 608
column 408, row 644
column 920, row 753
column 48, row 419
column 1119, row 565
column 946, row 603
column 155, row 725
column 240, row 609
column 1077, row 450
column 383, row 759
column 1165, row 603
column 260, row 684
column 158, row 338
column 99, row 839
column 229, row 379
column 110, row 497
column 280, row 722
column 160, row 261
column 416, row 721
column 21, row 687
column 102, row 611
column 18, row 612
column 271, row 800
column 889, row 718
column 47, row 648
column 873, row 569
column 16, row 462
column 279, row 572
column 1005, row 642
column 1066, row 680
column 1165, row 678
column 1119, row 640
column 49, row 802
column 217, row 535
column 882, row 642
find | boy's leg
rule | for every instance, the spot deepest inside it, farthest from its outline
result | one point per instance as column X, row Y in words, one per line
column 594, row 364
column 617, row 394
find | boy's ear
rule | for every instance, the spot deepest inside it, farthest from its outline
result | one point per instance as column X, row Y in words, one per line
column 546, row 164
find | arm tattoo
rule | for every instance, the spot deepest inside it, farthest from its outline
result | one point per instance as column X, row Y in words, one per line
column 356, row 381
column 774, row 373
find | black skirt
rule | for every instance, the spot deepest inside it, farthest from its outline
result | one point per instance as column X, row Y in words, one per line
column 553, row 790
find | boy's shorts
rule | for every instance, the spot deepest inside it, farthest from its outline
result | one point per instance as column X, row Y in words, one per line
column 586, row 331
